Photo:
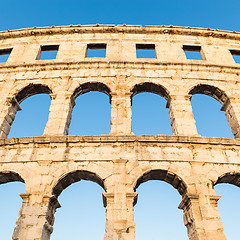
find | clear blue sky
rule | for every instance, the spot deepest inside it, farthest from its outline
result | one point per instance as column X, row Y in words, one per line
column 214, row 14
column 156, row 212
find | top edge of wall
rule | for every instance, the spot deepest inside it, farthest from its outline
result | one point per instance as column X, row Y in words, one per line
column 136, row 29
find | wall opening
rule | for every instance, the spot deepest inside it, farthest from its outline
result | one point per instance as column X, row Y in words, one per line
column 156, row 213
column 207, row 101
column 81, row 207
column 92, row 113
column 96, row 50
column 228, row 205
column 193, row 52
column 145, row 51
column 149, row 112
column 11, row 185
column 48, row 52
column 235, row 55
column 82, row 215
column 4, row 54
column 31, row 120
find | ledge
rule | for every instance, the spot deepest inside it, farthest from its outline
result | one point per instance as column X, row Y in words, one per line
column 154, row 65
column 121, row 139
column 137, row 29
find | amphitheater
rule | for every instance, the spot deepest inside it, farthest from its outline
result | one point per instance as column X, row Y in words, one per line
column 120, row 161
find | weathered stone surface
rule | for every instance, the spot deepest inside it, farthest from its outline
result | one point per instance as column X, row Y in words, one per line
column 120, row 161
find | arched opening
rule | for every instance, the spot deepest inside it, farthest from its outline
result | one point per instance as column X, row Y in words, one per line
column 82, row 215
column 156, row 213
column 209, row 104
column 92, row 113
column 228, row 205
column 34, row 102
column 149, row 112
column 11, row 185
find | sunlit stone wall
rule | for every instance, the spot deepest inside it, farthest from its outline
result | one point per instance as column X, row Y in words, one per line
column 120, row 161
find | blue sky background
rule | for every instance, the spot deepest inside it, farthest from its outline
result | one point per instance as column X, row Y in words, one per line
column 205, row 13
column 156, row 213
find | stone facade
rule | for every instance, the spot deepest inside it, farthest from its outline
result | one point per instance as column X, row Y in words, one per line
column 120, row 161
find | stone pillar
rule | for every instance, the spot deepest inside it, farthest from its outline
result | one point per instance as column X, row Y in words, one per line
column 72, row 51
column 201, row 217
column 36, row 217
column 217, row 54
column 232, row 112
column 119, row 217
column 114, row 50
column 8, row 108
column 32, row 52
column 121, row 113
column 199, row 204
column 119, row 206
column 60, row 114
column 180, row 112
column 170, row 52
column 128, row 50
column 7, row 116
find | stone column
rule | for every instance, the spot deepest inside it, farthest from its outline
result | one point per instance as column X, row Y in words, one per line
column 121, row 113
column 201, row 217
column 232, row 112
column 119, row 216
column 8, row 108
column 60, row 114
column 199, row 204
column 119, row 206
column 180, row 112
column 36, row 217
column 7, row 116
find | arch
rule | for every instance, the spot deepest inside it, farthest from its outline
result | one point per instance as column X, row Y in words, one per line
column 11, row 202
column 219, row 95
column 85, row 214
column 153, row 100
column 211, row 91
column 14, row 104
column 91, row 86
column 9, row 176
column 163, row 175
column 86, row 88
column 151, row 88
column 231, row 178
column 31, row 90
column 157, row 206
column 73, row 177
column 228, row 205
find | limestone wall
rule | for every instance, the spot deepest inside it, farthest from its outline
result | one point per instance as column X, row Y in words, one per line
column 120, row 161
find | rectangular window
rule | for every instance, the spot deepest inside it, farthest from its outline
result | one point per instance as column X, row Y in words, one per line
column 193, row 52
column 48, row 52
column 96, row 50
column 235, row 55
column 145, row 51
column 4, row 54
